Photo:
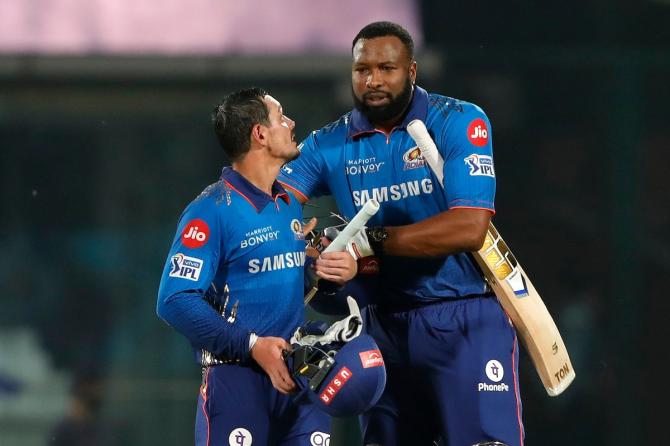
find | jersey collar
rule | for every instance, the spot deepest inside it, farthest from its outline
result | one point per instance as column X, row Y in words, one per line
column 418, row 109
column 251, row 193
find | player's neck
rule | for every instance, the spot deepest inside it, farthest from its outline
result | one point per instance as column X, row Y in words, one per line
column 259, row 173
column 388, row 126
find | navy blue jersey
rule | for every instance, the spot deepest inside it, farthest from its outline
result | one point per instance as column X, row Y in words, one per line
column 236, row 266
column 355, row 162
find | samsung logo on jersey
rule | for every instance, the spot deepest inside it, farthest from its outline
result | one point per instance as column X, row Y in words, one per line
column 394, row 192
column 280, row 261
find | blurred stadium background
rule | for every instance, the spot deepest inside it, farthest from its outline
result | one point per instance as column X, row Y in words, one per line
column 105, row 136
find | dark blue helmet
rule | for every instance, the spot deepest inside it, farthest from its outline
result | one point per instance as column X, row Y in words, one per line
column 342, row 379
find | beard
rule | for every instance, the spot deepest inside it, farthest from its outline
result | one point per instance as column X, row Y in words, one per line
column 385, row 113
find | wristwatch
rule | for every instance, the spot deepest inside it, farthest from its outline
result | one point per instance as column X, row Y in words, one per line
column 377, row 235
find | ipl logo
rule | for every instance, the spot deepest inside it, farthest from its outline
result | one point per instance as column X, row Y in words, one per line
column 185, row 267
column 480, row 165
column 240, row 437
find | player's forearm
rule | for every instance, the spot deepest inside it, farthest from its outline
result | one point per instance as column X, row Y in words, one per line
column 450, row 232
column 194, row 318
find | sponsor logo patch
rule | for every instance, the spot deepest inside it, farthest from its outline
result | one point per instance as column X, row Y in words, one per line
column 484, row 387
column 494, row 371
column 413, row 159
column 368, row 265
column 480, row 165
column 394, row 192
column 240, row 437
column 335, row 385
column 185, row 267
column 195, row 234
column 296, row 227
column 258, row 236
column 371, row 358
column 478, row 132
column 363, row 166
column 284, row 260
column 319, row 439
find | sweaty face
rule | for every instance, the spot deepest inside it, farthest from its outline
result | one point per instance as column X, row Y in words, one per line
column 281, row 137
column 382, row 77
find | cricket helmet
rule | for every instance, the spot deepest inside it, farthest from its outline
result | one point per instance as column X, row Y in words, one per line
column 342, row 379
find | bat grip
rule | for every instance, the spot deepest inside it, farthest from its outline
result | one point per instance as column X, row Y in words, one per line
column 357, row 223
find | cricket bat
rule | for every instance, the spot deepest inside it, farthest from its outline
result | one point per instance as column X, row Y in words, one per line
column 514, row 290
column 356, row 224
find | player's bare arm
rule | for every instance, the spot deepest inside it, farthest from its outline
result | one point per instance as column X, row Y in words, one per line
column 449, row 232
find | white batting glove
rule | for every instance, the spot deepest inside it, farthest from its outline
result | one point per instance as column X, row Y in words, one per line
column 359, row 246
column 343, row 330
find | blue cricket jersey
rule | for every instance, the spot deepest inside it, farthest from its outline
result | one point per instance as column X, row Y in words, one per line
column 236, row 236
column 355, row 162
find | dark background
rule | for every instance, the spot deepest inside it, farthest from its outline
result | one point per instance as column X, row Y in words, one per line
column 98, row 161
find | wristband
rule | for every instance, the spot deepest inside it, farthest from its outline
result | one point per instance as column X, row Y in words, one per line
column 377, row 235
column 253, row 337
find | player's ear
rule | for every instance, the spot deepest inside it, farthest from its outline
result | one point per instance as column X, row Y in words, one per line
column 412, row 71
column 259, row 134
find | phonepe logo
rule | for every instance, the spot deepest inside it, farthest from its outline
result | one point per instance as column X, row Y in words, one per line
column 240, row 437
column 494, row 372
column 185, row 267
column 478, row 132
column 195, row 234
column 371, row 358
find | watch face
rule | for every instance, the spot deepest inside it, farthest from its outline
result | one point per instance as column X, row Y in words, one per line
column 378, row 234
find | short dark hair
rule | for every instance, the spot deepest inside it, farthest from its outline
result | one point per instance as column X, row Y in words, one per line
column 383, row 29
column 235, row 116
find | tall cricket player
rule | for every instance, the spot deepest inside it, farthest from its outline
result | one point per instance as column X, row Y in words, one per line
column 450, row 350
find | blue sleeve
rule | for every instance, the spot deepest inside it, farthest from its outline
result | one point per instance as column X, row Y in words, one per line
column 193, row 261
column 305, row 175
column 465, row 143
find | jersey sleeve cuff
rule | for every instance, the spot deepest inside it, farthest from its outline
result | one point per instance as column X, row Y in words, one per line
column 472, row 204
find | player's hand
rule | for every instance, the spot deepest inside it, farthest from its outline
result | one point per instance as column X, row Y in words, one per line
column 309, row 226
column 268, row 353
column 337, row 267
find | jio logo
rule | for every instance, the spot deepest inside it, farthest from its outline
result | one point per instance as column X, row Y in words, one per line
column 195, row 233
column 494, row 371
column 478, row 132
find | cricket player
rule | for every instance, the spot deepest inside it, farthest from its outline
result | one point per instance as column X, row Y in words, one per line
column 233, row 283
column 451, row 352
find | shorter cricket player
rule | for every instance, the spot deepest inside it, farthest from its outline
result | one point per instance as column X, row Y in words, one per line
column 233, row 283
